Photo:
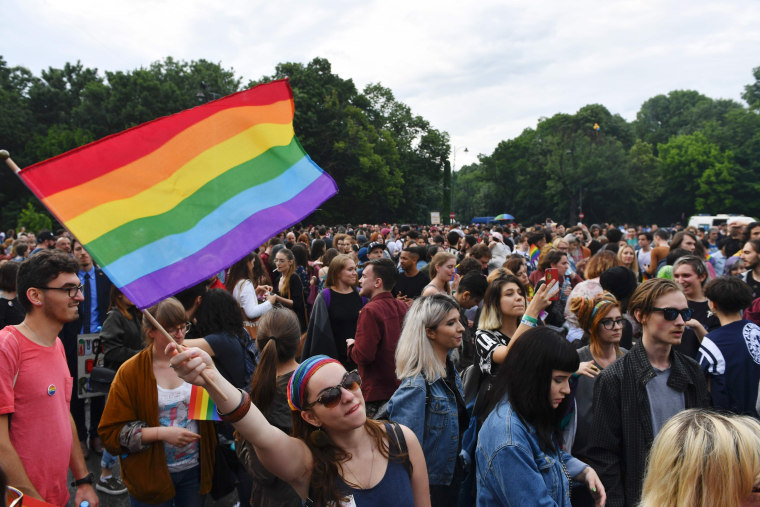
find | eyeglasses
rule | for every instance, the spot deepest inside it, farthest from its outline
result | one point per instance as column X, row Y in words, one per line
column 672, row 313
column 330, row 397
column 610, row 323
column 182, row 328
column 72, row 291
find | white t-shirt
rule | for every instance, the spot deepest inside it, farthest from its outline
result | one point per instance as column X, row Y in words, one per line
column 173, row 410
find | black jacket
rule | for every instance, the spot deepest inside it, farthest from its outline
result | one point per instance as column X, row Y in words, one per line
column 622, row 432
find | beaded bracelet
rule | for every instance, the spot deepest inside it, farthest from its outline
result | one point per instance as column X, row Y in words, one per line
column 240, row 411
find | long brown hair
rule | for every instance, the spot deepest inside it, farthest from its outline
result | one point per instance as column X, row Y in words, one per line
column 239, row 271
column 337, row 264
column 328, row 457
column 291, row 270
column 278, row 337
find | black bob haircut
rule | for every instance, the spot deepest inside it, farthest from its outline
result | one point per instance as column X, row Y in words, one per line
column 729, row 293
column 525, row 378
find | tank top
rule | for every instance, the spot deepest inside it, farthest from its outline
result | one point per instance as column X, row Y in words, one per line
column 395, row 488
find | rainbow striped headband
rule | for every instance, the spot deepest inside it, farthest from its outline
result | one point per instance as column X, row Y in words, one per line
column 301, row 376
column 599, row 305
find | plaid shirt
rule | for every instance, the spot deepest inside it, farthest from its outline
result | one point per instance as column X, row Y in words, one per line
column 622, row 432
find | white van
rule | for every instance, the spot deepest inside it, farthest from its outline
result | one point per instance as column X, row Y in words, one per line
column 704, row 222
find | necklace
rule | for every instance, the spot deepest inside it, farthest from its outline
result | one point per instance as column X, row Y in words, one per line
column 371, row 472
column 34, row 335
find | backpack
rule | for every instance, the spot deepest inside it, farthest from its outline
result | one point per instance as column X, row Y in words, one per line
column 251, row 356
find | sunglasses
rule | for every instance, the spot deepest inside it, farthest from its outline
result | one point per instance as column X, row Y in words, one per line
column 330, row 396
column 672, row 313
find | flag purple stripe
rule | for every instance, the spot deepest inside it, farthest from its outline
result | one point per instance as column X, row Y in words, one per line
column 231, row 247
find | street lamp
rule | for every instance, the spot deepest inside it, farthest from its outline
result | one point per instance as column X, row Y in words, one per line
column 453, row 170
column 204, row 93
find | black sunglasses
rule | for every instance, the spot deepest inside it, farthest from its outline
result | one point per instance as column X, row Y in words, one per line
column 672, row 313
column 610, row 324
column 330, row 396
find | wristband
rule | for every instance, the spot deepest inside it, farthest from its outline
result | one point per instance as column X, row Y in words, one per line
column 87, row 479
column 528, row 322
column 240, row 411
column 530, row 319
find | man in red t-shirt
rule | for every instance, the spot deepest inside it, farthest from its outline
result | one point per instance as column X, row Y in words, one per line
column 38, row 437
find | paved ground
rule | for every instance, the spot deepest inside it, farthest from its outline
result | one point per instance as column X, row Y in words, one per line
column 93, row 464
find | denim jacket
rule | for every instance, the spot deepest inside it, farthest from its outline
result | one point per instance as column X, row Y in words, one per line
column 512, row 470
column 438, row 430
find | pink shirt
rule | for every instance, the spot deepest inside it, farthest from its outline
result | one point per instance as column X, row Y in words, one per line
column 40, row 428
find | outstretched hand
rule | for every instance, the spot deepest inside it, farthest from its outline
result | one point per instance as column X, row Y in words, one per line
column 588, row 368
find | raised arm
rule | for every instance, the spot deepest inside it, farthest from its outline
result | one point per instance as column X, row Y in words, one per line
column 286, row 457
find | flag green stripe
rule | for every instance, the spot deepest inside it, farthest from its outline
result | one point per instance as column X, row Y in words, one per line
column 183, row 217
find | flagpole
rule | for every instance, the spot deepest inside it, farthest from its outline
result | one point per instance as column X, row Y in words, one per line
column 8, row 160
column 4, row 155
column 209, row 383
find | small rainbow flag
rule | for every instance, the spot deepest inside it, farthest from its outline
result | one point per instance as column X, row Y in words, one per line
column 167, row 204
column 534, row 255
column 202, row 407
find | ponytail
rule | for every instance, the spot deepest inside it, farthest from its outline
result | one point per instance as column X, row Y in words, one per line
column 278, row 337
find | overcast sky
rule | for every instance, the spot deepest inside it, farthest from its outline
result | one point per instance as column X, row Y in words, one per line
column 482, row 71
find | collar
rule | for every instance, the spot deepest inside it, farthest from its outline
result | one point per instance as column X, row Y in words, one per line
column 679, row 378
column 91, row 272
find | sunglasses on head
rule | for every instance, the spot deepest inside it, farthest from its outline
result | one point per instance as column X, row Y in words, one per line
column 330, row 396
column 672, row 313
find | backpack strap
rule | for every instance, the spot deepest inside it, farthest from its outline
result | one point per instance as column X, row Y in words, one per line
column 326, row 296
column 397, row 445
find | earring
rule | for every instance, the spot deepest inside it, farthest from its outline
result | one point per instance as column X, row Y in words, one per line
column 319, row 438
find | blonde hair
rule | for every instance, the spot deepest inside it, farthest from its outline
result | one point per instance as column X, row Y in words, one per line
column 634, row 263
column 169, row 313
column 414, row 353
column 702, row 459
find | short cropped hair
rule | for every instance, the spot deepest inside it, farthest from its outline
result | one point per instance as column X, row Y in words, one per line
column 480, row 250
column 730, row 294
column 474, row 283
column 39, row 269
column 385, row 270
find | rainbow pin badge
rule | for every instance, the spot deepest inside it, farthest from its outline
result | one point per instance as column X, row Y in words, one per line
column 51, row 389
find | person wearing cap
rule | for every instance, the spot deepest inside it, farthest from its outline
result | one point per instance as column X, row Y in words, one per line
column 336, row 454
column 45, row 241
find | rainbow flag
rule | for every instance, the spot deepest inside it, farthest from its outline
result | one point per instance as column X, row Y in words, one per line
column 534, row 254
column 202, row 407
column 167, row 204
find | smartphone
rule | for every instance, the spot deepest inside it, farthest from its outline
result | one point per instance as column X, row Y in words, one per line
column 552, row 274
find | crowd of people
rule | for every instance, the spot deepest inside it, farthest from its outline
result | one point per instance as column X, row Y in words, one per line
column 408, row 365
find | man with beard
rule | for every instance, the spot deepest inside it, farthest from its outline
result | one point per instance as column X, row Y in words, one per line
column 750, row 254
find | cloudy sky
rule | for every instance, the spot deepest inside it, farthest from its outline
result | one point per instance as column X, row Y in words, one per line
column 482, row 71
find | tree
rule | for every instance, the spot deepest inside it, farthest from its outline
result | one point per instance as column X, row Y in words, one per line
column 751, row 93
column 33, row 220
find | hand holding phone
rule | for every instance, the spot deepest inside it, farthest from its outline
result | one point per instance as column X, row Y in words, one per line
column 552, row 274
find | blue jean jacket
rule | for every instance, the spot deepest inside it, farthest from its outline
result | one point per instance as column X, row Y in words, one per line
column 438, row 430
column 513, row 471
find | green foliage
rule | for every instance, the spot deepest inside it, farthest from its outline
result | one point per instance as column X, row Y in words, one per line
column 33, row 220
column 684, row 153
